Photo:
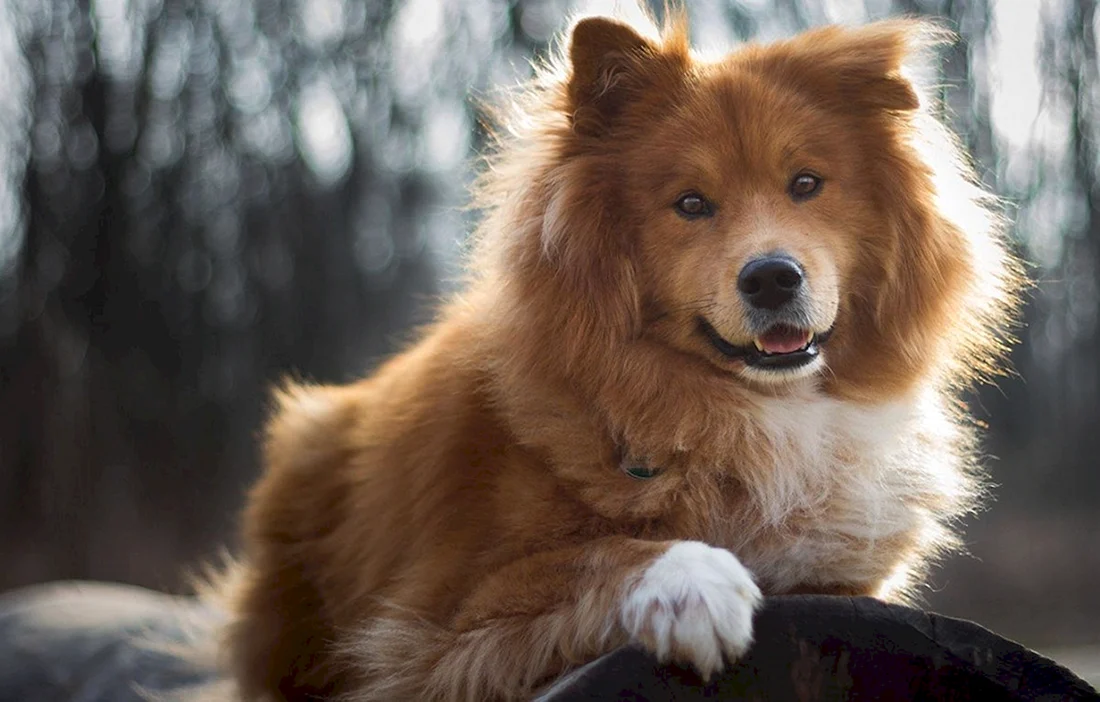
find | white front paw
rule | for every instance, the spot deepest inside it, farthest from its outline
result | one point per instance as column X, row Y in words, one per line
column 692, row 605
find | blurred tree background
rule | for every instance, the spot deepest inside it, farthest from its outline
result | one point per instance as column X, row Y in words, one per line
column 200, row 196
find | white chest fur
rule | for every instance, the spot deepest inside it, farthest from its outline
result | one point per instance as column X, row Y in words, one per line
column 849, row 493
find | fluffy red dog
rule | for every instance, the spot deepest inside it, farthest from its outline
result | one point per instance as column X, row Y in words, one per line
column 716, row 315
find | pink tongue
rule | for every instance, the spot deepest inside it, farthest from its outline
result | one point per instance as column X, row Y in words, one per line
column 784, row 340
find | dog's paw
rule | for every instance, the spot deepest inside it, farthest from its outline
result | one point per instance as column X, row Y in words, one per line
column 692, row 605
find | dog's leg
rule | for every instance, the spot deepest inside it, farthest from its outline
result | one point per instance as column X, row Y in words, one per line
column 532, row 620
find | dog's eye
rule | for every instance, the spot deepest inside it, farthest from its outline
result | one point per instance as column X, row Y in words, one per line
column 639, row 471
column 804, row 186
column 693, row 205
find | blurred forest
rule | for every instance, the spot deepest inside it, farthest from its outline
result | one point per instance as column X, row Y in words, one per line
column 200, row 196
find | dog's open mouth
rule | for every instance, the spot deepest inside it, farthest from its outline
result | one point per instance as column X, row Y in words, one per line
column 780, row 347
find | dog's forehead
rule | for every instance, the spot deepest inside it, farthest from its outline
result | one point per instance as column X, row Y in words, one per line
column 733, row 121
column 757, row 106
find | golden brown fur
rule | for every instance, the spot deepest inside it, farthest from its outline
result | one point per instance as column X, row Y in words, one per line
column 457, row 526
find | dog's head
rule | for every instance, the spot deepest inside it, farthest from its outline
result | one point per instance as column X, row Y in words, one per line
column 787, row 213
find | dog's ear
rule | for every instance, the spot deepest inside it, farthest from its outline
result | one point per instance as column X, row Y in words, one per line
column 861, row 67
column 609, row 62
column 871, row 62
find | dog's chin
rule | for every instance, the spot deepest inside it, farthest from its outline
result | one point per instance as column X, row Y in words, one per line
column 780, row 355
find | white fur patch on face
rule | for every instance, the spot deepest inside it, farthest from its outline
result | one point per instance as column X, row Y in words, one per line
column 692, row 605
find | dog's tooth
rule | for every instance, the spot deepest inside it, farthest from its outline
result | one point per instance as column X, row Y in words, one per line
column 758, row 344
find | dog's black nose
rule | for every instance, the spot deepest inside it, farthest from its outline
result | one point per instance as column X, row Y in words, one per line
column 770, row 282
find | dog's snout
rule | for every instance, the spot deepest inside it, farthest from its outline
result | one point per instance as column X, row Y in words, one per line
column 770, row 282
